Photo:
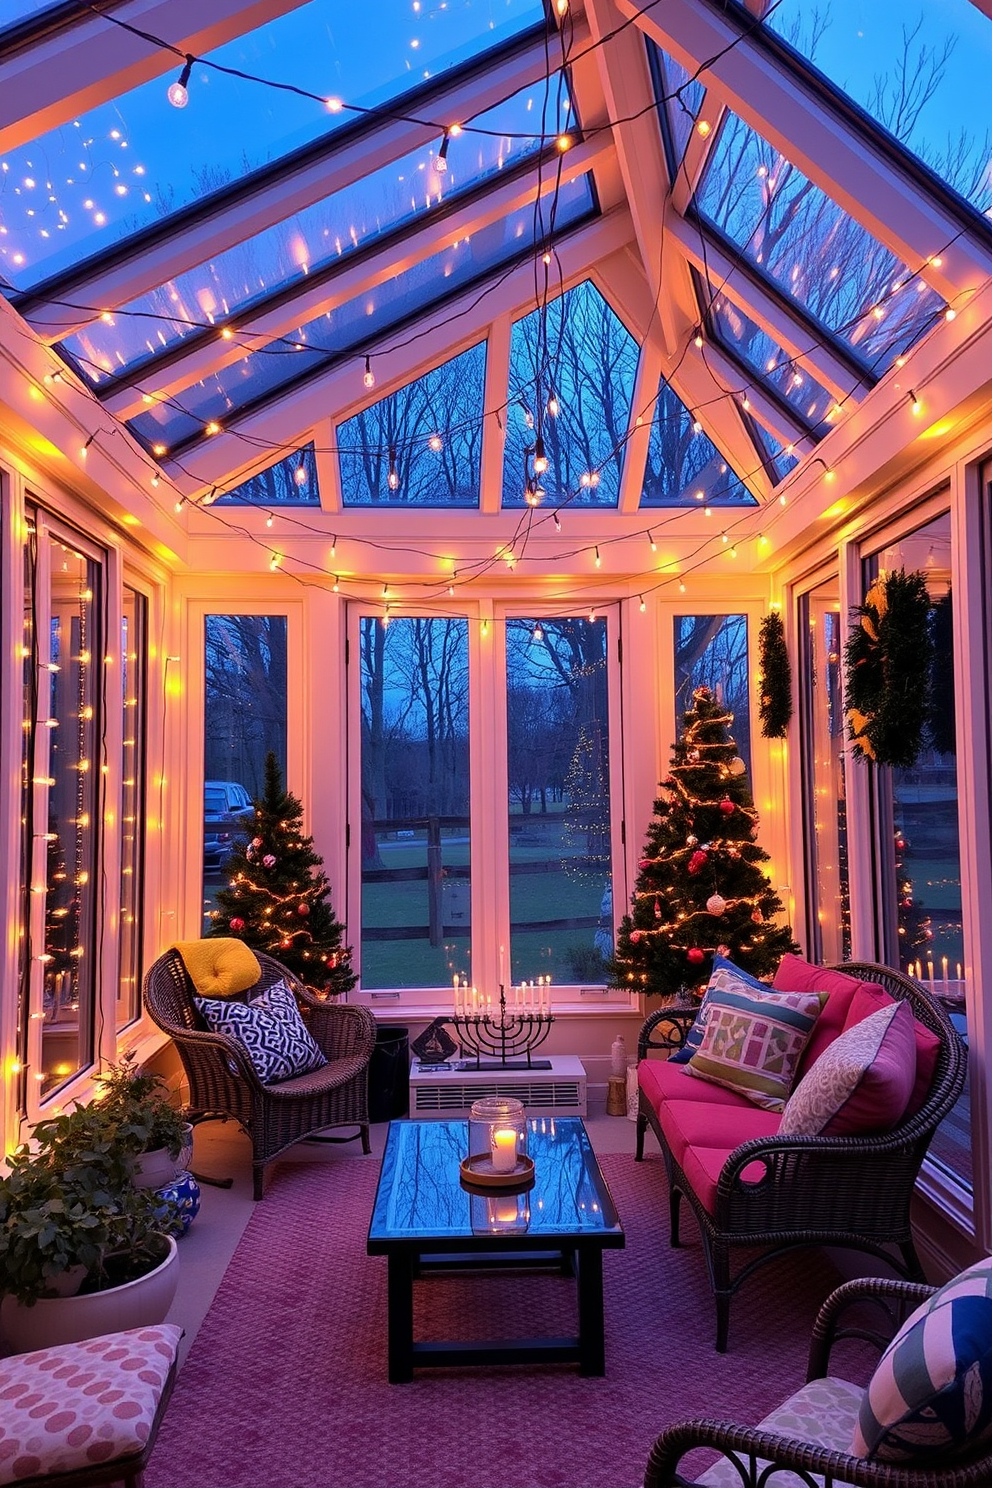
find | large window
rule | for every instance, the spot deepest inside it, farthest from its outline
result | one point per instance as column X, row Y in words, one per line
column 134, row 631
column 416, row 827
column 245, row 719
column 821, row 719
column 919, row 847
column 711, row 651
column 558, row 768
column 63, row 665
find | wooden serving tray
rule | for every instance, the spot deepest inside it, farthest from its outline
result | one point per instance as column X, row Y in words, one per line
column 478, row 1172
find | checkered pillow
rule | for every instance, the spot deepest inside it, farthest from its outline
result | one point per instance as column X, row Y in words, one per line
column 930, row 1398
column 278, row 1042
column 753, row 1042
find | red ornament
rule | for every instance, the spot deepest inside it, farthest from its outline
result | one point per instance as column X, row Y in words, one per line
column 645, row 863
column 723, row 950
column 268, row 861
column 695, row 955
column 727, row 806
column 657, row 909
column 303, row 909
column 697, row 861
column 237, row 924
column 635, row 936
column 757, row 917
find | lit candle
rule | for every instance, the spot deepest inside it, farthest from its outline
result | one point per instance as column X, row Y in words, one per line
column 943, row 970
column 930, row 974
column 503, row 1210
column 502, row 955
column 454, row 983
column 504, row 1150
column 958, row 974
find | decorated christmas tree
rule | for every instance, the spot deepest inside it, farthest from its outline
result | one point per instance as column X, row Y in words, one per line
column 277, row 898
column 700, row 890
column 915, row 934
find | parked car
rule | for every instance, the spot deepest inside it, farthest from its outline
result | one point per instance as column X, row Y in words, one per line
column 227, row 810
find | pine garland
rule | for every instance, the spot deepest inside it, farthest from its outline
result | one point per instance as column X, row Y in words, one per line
column 776, row 677
column 888, row 660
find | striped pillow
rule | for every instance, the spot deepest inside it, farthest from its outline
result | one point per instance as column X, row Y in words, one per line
column 930, row 1398
column 753, row 1042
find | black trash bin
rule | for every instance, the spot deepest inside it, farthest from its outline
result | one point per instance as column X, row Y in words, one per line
column 389, row 1073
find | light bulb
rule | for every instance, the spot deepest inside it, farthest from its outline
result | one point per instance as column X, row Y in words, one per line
column 643, row 605
column 553, row 408
column 177, row 93
column 436, row 443
column 698, row 337
column 300, row 475
column 369, row 378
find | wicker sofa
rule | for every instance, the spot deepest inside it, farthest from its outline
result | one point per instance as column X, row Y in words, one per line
column 753, row 1190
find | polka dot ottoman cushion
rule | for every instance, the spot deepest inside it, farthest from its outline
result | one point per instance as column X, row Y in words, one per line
column 82, row 1404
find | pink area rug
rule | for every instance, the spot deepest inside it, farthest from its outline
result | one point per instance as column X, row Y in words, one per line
column 285, row 1386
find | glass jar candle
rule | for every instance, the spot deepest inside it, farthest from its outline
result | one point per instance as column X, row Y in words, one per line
column 497, row 1129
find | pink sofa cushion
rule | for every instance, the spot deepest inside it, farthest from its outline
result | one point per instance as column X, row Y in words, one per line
column 661, row 1080
column 861, row 1083
column 693, row 1124
column 867, row 1000
column 703, row 1166
column 796, row 975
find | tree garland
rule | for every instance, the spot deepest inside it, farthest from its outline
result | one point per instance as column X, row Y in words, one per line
column 888, row 658
column 776, row 677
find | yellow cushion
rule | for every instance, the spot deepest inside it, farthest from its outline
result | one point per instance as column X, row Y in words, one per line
column 220, row 966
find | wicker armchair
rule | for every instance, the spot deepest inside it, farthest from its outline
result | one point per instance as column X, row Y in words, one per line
column 748, row 1450
column 852, row 1191
column 222, row 1079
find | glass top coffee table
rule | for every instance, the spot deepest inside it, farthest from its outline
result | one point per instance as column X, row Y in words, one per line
column 424, row 1220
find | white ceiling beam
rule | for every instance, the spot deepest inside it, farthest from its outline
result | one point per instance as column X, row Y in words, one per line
column 431, row 234
column 626, row 81
column 279, row 194
column 795, row 338
column 451, row 326
column 91, row 60
column 832, row 152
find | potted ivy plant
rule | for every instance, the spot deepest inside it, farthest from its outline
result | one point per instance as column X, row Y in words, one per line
column 155, row 1134
column 84, row 1249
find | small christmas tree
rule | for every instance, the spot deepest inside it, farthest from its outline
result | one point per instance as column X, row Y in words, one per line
column 913, row 922
column 700, row 889
column 277, row 900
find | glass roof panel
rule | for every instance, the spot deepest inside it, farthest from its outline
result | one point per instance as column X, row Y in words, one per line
column 301, row 246
column 572, row 388
column 681, row 97
column 357, row 326
column 684, row 466
column 291, row 481
column 782, row 375
column 920, row 70
column 16, row 11
column 422, row 445
column 91, row 183
column 777, row 458
column 817, row 254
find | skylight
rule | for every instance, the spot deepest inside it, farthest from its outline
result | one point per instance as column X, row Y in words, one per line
column 921, row 71
column 814, row 251
column 683, row 97
column 684, row 466
column 301, row 247
column 291, row 481
column 356, row 328
column 573, row 389
column 422, row 445
column 95, row 181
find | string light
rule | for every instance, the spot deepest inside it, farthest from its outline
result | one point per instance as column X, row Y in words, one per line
column 268, row 520
column 557, row 521
column 540, row 458
column 654, row 545
column 436, row 443
column 393, row 478
column 915, row 403
column 369, row 377
column 334, row 546
column 275, row 560
column 553, row 405
column 598, row 560
column 698, row 336
column 441, row 162
column 178, row 93
column 336, row 585
column 538, row 633
column 300, row 475
column 84, row 447
column 643, row 605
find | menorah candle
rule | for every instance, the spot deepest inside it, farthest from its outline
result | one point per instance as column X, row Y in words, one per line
column 943, row 972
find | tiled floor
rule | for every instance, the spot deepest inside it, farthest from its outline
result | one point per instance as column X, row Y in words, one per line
column 221, row 1150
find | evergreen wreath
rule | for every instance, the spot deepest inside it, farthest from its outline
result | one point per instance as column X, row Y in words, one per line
column 888, row 663
column 776, row 677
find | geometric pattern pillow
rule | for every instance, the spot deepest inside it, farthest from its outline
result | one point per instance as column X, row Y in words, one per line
column 754, row 1041
column 930, row 1399
column 725, row 977
column 860, row 1083
column 278, row 1042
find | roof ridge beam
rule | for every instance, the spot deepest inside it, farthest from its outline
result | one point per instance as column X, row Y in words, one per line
column 819, row 141
column 269, row 196
column 88, row 61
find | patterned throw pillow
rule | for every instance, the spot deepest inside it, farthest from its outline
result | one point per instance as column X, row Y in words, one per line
column 930, row 1399
column 725, row 977
column 278, row 1042
column 753, row 1042
column 861, row 1082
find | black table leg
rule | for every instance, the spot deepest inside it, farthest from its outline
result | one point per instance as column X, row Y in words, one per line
column 592, row 1343
column 400, row 1304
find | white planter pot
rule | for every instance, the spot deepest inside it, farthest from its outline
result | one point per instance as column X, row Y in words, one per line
column 55, row 1320
column 156, row 1169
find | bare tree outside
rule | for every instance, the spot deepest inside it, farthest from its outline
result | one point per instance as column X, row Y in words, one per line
column 711, row 651
column 246, row 697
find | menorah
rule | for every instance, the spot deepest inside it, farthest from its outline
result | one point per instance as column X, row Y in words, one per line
column 507, row 1040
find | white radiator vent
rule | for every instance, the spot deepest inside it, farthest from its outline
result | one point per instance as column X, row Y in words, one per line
column 543, row 1095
